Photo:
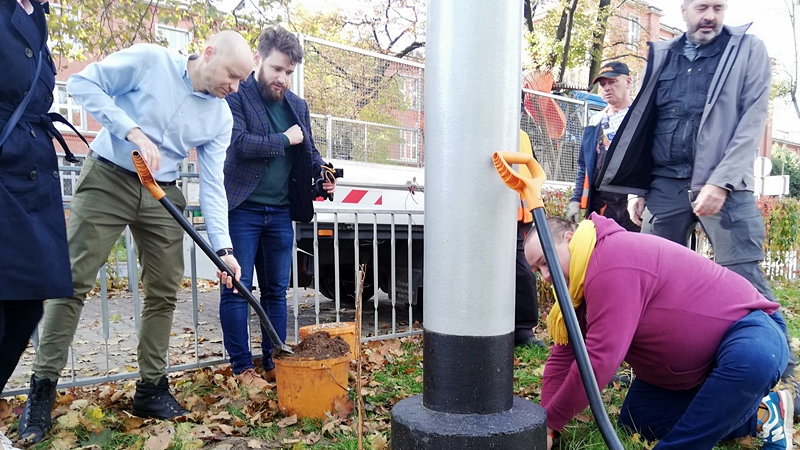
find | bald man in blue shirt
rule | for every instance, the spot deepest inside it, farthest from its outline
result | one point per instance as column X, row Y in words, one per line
column 163, row 104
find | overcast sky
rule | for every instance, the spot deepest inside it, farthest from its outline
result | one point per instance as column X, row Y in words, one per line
column 770, row 21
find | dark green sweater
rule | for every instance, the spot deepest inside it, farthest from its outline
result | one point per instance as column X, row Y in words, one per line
column 273, row 190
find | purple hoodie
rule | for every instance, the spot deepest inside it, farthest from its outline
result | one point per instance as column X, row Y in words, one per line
column 655, row 304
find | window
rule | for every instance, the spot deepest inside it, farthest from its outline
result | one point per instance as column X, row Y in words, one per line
column 408, row 149
column 69, row 175
column 65, row 105
column 634, row 32
column 177, row 38
column 412, row 92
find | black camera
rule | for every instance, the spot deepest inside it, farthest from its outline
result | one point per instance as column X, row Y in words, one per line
column 330, row 175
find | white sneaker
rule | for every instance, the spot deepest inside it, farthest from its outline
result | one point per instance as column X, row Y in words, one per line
column 5, row 443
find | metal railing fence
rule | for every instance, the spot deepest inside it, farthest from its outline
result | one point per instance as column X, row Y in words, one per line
column 104, row 346
column 364, row 141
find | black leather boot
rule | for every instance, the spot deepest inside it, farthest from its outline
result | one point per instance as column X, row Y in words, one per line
column 36, row 420
column 154, row 400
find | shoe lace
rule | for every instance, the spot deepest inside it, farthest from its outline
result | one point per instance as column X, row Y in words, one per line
column 39, row 411
column 168, row 400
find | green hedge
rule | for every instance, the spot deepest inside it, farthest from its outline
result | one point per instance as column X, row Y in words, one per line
column 782, row 223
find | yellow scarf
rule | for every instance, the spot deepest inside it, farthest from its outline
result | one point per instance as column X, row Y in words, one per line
column 581, row 247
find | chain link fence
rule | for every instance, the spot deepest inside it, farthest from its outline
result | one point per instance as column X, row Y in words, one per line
column 367, row 106
column 555, row 126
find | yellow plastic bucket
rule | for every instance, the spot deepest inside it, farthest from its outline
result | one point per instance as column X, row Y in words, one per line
column 309, row 387
column 345, row 330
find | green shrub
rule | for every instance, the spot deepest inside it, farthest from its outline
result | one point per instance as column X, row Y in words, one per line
column 782, row 223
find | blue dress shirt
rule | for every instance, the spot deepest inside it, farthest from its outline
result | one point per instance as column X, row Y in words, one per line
column 148, row 86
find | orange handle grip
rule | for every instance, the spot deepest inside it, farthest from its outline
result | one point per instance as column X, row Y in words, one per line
column 145, row 176
column 529, row 188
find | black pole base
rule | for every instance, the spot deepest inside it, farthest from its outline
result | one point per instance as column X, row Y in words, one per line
column 415, row 427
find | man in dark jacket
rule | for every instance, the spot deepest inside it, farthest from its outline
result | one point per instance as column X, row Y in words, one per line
column 687, row 147
column 615, row 84
column 268, row 179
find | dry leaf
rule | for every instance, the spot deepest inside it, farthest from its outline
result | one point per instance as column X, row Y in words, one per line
column 69, row 420
column 312, row 438
column 343, row 406
column 131, row 423
column 158, row 442
column 65, row 440
column 378, row 442
column 79, row 404
column 5, row 409
column 286, row 421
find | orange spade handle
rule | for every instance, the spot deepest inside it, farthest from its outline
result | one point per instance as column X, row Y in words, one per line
column 529, row 188
column 145, row 176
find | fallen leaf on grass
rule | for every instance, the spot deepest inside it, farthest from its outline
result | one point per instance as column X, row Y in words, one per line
column 378, row 442
column 343, row 406
column 69, row 420
column 158, row 442
column 312, row 438
column 286, row 421
column 64, row 440
column 583, row 418
column 131, row 423
column 5, row 409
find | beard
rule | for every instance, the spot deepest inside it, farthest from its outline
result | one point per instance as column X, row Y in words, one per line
column 267, row 93
column 703, row 38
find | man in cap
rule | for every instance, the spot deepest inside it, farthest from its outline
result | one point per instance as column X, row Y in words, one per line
column 615, row 84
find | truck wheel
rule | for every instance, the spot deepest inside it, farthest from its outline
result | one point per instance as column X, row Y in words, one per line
column 347, row 289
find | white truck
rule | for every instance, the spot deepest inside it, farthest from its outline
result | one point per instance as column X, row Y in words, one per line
column 368, row 198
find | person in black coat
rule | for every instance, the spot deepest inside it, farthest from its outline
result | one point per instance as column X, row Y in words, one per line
column 34, row 260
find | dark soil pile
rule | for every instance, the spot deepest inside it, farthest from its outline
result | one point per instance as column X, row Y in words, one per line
column 320, row 345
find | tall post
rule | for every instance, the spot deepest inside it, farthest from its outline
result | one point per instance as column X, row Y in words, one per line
column 472, row 92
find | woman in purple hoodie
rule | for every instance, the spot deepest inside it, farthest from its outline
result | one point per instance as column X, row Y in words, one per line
column 705, row 346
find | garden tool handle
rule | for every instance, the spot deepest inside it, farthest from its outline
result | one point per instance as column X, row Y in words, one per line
column 529, row 188
column 145, row 176
column 147, row 180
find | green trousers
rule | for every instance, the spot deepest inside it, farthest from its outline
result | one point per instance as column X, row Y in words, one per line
column 106, row 200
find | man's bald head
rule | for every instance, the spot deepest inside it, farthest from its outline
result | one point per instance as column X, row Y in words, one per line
column 230, row 44
column 225, row 63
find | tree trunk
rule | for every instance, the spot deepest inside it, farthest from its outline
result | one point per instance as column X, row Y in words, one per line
column 567, row 39
column 560, row 32
column 529, row 10
column 599, row 37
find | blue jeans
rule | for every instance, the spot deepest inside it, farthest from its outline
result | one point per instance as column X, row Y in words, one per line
column 262, row 238
column 748, row 363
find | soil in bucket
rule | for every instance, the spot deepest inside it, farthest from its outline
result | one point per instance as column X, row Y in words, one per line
column 345, row 330
column 311, row 380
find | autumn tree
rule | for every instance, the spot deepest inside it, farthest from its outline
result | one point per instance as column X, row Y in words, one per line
column 91, row 29
column 604, row 10
column 358, row 85
column 391, row 27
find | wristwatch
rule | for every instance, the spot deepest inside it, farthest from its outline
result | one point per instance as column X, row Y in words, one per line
column 224, row 251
